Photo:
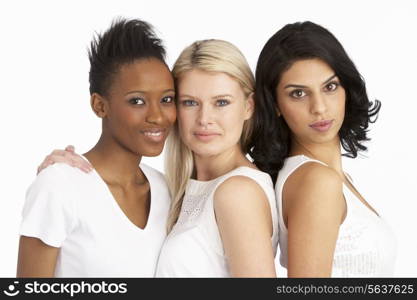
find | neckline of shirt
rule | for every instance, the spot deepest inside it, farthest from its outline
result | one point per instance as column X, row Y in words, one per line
column 198, row 187
column 118, row 210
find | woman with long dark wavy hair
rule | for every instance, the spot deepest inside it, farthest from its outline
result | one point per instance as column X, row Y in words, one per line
column 311, row 103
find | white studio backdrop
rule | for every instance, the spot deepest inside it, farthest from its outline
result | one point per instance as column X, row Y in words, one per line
column 45, row 100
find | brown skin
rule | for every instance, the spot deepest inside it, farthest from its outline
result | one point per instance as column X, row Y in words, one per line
column 313, row 203
column 140, row 99
column 35, row 258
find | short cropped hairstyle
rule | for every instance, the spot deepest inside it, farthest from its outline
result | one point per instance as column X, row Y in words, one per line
column 298, row 41
column 124, row 42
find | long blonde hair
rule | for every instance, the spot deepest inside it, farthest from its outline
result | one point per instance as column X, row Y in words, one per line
column 210, row 56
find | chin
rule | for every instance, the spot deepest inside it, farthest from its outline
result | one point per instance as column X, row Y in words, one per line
column 148, row 150
column 151, row 153
column 207, row 151
column 323, row 139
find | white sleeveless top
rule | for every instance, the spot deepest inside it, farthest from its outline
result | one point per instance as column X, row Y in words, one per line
column 366, row 245
column 194, row 247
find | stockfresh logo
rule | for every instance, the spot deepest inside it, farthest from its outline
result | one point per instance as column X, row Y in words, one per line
column 12, row 290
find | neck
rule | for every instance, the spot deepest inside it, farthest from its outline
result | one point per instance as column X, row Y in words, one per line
column 211, row 167
column 329, row 153
column 115, row 164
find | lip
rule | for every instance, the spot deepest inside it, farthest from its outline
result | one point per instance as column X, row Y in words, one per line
column 155, row 135
column 205, row 136
column 322, row 126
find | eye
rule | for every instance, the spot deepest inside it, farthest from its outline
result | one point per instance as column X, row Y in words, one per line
column 167, row 99
column 222, row 102
column 332, row 86
column 298, row 94
column 189, row 103
column 137, row 101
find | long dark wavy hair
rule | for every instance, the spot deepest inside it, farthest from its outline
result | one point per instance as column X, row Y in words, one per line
column 271, row 136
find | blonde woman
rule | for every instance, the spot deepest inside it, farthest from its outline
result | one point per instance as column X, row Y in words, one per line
column 223, row 215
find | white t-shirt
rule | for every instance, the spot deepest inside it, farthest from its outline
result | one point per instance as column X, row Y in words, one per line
column 194, row 247
column 76, row 212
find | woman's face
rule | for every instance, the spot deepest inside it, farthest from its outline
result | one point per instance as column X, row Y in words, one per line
column 140, row 106
column 212, row 109
column 312, row 101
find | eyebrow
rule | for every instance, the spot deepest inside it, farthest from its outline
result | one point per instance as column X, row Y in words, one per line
column 214, row 97
column 303, row 86
column 144, row 92
column 185, row 95
column 223, row 96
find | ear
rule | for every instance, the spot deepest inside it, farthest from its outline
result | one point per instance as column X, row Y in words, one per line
column 250, row 106
column 99, row 105
column 277, row 111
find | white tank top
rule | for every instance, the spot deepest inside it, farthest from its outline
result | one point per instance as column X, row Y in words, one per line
column 366, row 245
column 194, row 247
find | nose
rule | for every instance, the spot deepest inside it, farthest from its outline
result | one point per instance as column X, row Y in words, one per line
column 204, row 115
column 154, row 114
column 318, row 104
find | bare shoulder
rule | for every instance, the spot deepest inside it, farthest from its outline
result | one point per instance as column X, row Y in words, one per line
column 316, row 187
column 313, row 176
column 239, row 191
column 245, row 225
column 237, row 187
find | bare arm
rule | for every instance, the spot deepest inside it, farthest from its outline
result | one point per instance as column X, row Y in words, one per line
column 315, row 208
column 244, row 219
column 67, row 156
column 36, row 259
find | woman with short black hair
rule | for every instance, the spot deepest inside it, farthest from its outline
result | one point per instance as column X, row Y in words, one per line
column 110, row 222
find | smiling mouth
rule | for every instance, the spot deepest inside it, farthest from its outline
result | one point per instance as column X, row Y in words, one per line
column 154, row 135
